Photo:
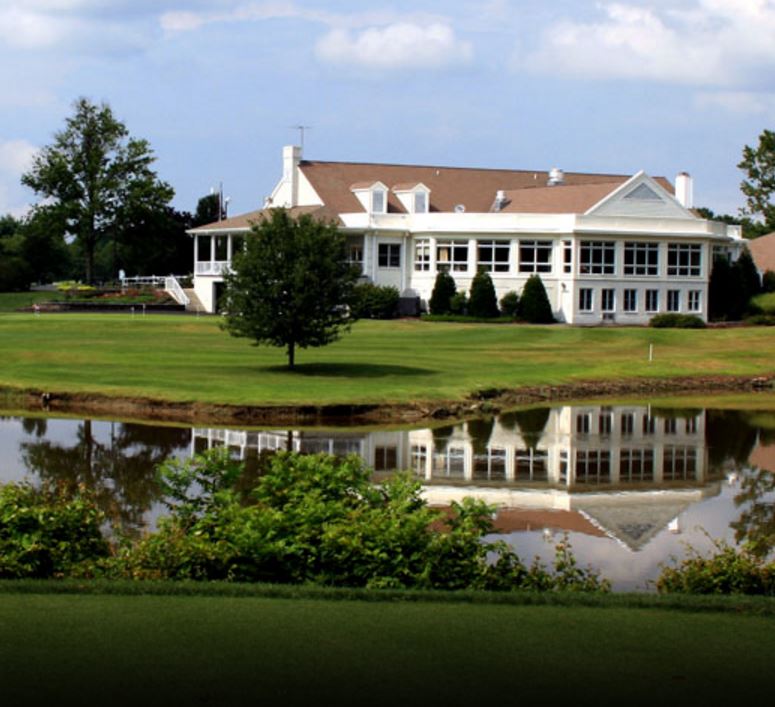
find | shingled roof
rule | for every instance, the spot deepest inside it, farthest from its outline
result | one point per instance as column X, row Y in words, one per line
column 763, row 252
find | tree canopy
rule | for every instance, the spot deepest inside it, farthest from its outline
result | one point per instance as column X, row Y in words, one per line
column 292, row 285
column 758, row 163
column 96, row 181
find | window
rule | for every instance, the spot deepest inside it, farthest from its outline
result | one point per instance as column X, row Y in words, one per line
column 422, row 254
column 378, row 201
column 649, row 425
column 630, row 300
column 355, row 254
column 652, row 300
column 535, row 256
column 582, row 423
column 452, row 255
column 593, row 466
column 389, row 255
column 419, row 454
column 597, row 258
column 673, row 300
column 693, row 300
column 385, row 458
column 605, row 421
column 679, row 463
column 237, row 245
column 636, row 465
column 608, row 300
column 641, row 259
column 420, row 202
column 493, row 256
column 491, row 465
column 691, row 425
column 684, row 260
column 585, row 299
column 204, row 249
column 531, row 464
column 627, row 424
column 567, row 256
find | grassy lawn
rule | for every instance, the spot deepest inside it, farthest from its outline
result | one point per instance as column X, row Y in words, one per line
column 189, row 358
column 11, row 301
column 225, row 651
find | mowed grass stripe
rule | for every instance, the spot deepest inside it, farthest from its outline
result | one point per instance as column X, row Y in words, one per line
column 187, row 358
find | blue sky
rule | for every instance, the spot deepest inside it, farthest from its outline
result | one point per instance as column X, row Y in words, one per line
column 215, row 85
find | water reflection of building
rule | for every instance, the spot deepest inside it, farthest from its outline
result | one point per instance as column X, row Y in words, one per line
column 620, row 471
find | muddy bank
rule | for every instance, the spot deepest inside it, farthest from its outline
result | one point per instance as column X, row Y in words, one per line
column 492, row 400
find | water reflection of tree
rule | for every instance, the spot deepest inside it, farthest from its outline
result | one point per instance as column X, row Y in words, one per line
column 730, row 438
column 120, row 473
column 756, row 524
column 531, row 423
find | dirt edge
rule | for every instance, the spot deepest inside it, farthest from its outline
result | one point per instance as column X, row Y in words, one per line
column 487, row 401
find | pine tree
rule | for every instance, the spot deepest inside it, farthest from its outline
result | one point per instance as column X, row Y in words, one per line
column 534, row 304
column 483, row 302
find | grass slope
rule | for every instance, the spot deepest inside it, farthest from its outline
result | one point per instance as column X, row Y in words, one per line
column 215, row 650
column 188, row 358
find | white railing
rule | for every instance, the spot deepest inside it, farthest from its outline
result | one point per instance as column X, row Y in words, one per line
column 153, row 280
column 215, row 267
column 172, row 286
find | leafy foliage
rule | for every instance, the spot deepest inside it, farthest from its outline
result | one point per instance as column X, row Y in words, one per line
column 675, row 320
column 95, row 181
column 768, row 281
column 372, row 301
column 319, row 519
column 483, row 301
column 534, row 304
column 727, row 571
column 443, row 290
column 458, row 304
column 47, row 532
column 291, row 286
column 510, row 304
column 758, row 187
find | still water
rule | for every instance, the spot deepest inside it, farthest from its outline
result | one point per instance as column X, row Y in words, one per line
column 630, row 485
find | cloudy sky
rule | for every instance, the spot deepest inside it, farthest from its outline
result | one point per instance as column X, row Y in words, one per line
column 216, row 85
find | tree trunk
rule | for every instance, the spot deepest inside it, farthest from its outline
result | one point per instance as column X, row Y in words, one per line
column 291, row 354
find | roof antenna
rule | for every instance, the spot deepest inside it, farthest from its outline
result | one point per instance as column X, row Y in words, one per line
column 301, row 129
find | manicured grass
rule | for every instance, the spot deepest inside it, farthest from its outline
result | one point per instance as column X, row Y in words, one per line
column 165, row 650
column 189, row 358
column 12, row 301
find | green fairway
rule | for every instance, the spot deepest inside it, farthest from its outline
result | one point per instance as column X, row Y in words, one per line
column 11, row 301
column 166, row 650
column 186, row 358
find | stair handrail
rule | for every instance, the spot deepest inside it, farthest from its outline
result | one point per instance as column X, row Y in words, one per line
column 172, row 286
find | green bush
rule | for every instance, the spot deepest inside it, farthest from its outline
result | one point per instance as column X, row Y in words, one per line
column 728, row 571
column 483, row 301
column 761, row 320
column 47, row 533
column 674, row 320
column 510, row 304
column 443, row 290
column 319, row 519
column 768, row 282
column 459, row 303
column 372, row 301
column 534, row 304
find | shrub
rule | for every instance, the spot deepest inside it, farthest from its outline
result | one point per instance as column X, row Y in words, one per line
column 534, row 304
column 727, row 571
column 319, row 519
column 46, row 533
column 483, row 301
column 510, row 304
column 768, row 281
column 761, row 320
column 372, row 301
column 443, row 291
column 674, row 320
column 459, row 303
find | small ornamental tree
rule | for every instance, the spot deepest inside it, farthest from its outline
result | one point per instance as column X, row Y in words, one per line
column 534, row 304
column 749, row 275
column 483, row 302
column 292, row 285
column 510, row 304
column 443, row 291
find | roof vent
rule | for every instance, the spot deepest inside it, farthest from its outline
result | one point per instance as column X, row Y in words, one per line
column 500, row 200
column 556, row 177
column 460, row 208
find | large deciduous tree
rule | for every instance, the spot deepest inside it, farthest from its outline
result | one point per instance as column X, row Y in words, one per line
column 96, row 178
column 758, row 163
column 292, row 285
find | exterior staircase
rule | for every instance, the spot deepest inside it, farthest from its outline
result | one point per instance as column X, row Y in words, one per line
column 194, row 303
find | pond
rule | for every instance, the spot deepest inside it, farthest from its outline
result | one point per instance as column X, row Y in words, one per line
column 631, row 485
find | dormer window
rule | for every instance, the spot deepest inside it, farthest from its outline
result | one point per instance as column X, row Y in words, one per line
column 414, row 197
column 378, row 200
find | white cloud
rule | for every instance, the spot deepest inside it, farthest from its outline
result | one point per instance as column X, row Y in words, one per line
column 701, row 42
column 16, row 156
column 740, row 102
column 402, row 44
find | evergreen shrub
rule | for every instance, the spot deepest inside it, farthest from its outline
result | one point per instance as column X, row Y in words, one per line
column 510, row 304
column 534, row 306
column 459, row 303
column 674, row 320
column 483, row 301
column 443, row 290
